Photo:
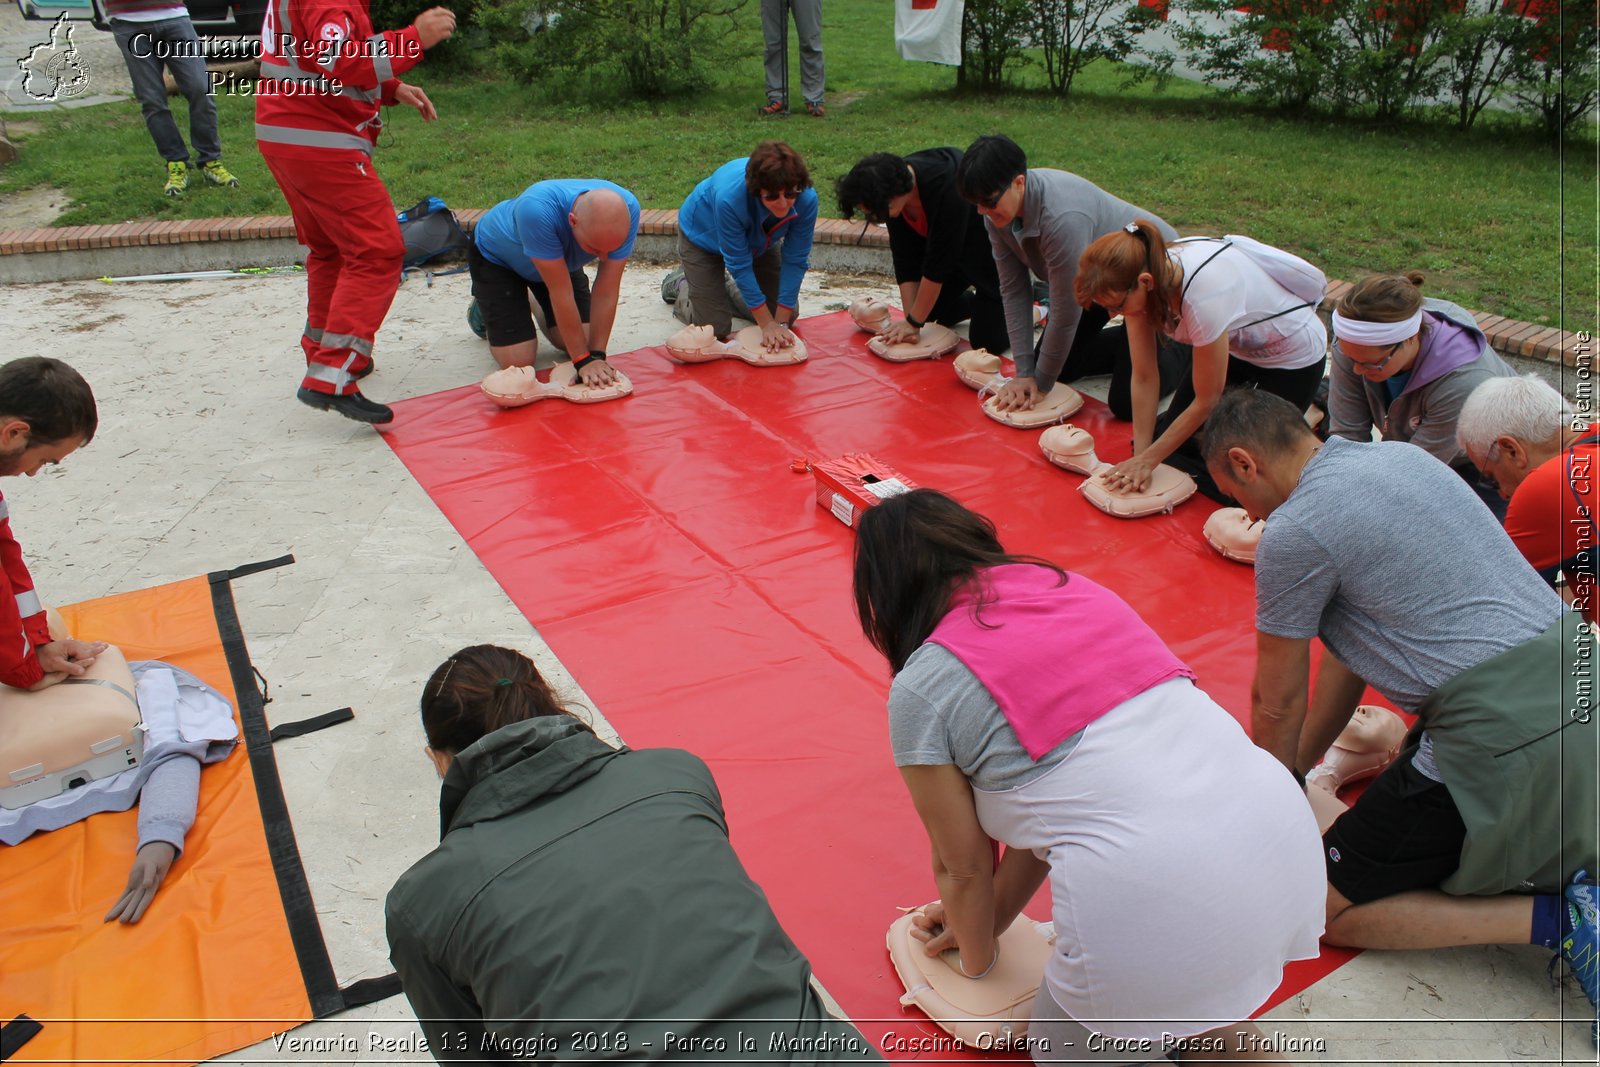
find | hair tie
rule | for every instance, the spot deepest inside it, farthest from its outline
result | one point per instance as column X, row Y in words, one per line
column 1133, row 228
column 501, row 681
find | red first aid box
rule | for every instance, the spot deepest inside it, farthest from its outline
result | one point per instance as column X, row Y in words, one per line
column 854, row 482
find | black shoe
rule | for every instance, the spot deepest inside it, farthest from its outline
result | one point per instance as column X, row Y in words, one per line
column 351, row 406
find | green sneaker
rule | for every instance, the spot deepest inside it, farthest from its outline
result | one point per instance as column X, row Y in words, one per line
column 475, row 320
column 217, row 174
column 177, row 179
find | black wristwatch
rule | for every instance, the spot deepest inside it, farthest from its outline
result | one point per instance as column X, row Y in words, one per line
column 594, row 354
column 913, row 322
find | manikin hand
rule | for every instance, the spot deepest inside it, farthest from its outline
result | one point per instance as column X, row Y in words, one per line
column 775, row 335
column 1131, row 475
column 150, row 867
column 901, row 332
column 1019, row 394
column 70, row 657
column 411, row 96
column 434, row 25
column 597, row 372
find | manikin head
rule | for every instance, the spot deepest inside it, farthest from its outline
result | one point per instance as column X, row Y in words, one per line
column 776, row 175
column 474, row 693
column 993, row 177
column 878, row 187
column 1379, row 324
column 1255, row 446
column 1233, row 533
column 600, row 221
column 912, row 552
column 47, row 412
column 870, row 313
column 1509, row 426
column 1372, row 729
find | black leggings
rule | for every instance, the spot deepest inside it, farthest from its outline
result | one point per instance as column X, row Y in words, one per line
column 961, row 301
column 1297, row 386
column 1097, row 350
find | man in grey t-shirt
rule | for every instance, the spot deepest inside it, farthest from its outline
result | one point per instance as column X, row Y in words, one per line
column 1414, row 589
column 1039, row 222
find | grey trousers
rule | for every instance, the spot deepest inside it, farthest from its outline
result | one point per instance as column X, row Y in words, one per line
column 710, row 298
column 146, row 48
column 808, row 27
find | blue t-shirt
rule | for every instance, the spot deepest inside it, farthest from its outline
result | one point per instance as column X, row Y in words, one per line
column 533, row 225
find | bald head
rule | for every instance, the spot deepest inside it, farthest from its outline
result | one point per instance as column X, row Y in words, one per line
column 601, row 221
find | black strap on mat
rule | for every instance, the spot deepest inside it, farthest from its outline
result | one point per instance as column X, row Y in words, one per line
column 21, row 1030
column 316, row 969
column 311, row 725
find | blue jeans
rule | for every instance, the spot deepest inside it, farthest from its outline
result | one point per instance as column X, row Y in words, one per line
column 146, row 48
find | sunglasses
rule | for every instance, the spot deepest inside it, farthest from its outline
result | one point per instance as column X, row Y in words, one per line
column 988, row 203
column 770, row 195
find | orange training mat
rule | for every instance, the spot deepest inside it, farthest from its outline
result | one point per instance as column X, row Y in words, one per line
column 214, row 965
column 686, row 576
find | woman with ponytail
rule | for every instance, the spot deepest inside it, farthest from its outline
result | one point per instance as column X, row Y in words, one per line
column 1228, row 299
column 584, row 902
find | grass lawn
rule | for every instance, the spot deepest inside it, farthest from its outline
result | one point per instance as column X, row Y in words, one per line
column 1499, row 221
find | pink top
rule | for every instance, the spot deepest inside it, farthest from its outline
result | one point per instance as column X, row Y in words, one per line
column 1096, row 650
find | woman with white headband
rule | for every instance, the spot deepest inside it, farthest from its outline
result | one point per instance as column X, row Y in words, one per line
column 1405, row 364
column 1249, row 310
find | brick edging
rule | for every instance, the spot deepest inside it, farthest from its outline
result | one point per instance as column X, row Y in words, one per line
column 1508, row 336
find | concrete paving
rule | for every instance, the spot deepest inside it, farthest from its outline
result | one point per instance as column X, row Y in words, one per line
column 204, row 460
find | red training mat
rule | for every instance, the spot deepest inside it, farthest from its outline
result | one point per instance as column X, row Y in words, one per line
column 688, row 579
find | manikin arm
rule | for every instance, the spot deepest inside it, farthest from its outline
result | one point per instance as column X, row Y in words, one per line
column 166, row 811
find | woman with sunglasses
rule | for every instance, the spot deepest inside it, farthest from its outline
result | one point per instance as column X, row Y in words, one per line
column 1224, row 297
column 753, row 219
column 1406, row 363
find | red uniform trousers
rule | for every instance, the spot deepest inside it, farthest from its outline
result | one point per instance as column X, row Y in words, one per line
column 344, row 217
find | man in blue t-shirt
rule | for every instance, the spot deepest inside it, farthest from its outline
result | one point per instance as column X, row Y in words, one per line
column 538, row 243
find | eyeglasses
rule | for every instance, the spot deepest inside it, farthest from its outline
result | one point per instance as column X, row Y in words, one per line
column 989, row 203
column 770, row 195
column 1117, row 310
column 1378, row 365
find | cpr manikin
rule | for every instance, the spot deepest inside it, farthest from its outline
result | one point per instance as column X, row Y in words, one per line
column 1055, row 406
column 981, row 369
column 934, row 341
column 1234, row 534
column 512, row 387
column 987, row 1012
column 871, row 314
column 699, row 344
column 1072, row 448
column 1368, row 743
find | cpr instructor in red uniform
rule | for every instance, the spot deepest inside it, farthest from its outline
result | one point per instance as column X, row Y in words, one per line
column 324, row 73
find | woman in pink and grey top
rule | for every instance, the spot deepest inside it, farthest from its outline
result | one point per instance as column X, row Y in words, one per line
column 1033, row 707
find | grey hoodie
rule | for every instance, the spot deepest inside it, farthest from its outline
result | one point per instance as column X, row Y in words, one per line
column 1426, row 410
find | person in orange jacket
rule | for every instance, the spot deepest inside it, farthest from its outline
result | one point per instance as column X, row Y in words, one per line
column 324, row 73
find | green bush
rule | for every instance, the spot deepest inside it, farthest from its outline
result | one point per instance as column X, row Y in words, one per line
column 1557, row 81
column 644, row 48
column 454, row 54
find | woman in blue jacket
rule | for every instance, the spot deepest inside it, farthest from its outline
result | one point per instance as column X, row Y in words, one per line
column 752, row 219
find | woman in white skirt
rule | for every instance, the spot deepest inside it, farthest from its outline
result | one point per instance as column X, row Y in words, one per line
column 1033, row 707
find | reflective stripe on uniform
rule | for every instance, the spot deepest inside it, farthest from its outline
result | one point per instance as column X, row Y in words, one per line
column 346, row 340
column 311, row 138
column 313, row 333
column 5, row 511
column 380, row 57
column 337, row 377
column 28, row 604
column 284, row 72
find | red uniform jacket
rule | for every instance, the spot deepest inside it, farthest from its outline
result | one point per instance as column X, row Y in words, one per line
column 324, row 73
column 22, row 623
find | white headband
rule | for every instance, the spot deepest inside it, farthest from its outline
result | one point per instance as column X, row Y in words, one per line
column 1362, row 332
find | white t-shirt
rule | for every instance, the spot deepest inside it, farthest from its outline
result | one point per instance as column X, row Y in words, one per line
column 1232, row 295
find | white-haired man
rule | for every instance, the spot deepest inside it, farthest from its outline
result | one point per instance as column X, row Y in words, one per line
column 1521, row 434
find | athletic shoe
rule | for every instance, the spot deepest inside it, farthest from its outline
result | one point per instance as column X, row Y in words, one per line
column 814, row 109
column 669, row 285
column 177, row 179
column 350, row 405
column 217, row 174
column 475, row 320
column 775, row 109
column 1581, row 948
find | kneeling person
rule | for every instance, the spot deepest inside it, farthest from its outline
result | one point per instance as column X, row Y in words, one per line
column 537, row 244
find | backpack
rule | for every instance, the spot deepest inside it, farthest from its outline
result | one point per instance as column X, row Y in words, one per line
column 431, row 233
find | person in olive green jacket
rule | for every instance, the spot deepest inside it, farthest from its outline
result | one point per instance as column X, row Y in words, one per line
column 584, row 902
